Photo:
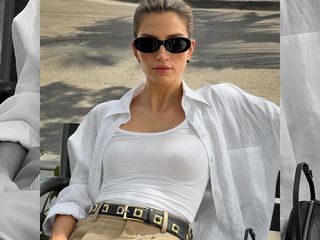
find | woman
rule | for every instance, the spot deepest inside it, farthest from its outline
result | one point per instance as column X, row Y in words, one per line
column 193, row 161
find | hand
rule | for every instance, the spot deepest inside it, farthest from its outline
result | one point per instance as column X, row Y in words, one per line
column 58, row 237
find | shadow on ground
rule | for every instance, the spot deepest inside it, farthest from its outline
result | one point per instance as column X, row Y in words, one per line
column 224, row 40
column 63, row 100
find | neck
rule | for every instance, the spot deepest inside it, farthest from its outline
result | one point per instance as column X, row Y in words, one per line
column 159, row 97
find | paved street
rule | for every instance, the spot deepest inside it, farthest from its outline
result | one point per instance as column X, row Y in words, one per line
column 86, row 57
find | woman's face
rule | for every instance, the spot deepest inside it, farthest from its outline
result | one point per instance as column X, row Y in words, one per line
column 163, row 66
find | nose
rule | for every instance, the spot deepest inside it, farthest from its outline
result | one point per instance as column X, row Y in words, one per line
column 162, row 54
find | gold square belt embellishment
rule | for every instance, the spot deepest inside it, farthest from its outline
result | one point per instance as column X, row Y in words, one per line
column 120, row 210
column 157, row 219
column 138, row 212
column 105, row 208
column 175, row 228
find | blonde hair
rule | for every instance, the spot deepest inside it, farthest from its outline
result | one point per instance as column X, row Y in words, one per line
column 179, row 7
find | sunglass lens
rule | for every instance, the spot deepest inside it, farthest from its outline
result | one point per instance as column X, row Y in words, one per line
column 178, row 45
column 173, row 45
column 146, row 45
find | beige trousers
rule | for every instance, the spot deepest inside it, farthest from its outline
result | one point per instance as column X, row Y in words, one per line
column 115, row 228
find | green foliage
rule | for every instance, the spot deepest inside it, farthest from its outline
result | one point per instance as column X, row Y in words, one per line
column 56, row 171
column 44, row 211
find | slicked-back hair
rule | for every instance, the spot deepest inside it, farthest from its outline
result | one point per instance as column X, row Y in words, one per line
column 180, row 7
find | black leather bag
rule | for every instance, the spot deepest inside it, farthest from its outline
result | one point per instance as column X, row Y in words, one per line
column 249, row 232
column 304, row 220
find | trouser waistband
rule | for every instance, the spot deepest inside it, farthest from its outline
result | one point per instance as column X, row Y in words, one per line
column 161, row 219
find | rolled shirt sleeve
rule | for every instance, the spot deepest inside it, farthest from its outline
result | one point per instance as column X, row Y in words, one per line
column 75, row 199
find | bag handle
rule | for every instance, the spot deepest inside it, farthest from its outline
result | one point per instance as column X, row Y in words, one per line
column 308, row 173
column 250, row 232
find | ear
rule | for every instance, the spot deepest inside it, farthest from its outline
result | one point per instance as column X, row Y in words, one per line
column 192, row 47
column 135, row 51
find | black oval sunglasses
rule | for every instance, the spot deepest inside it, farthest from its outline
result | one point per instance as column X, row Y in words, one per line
column 173, row 45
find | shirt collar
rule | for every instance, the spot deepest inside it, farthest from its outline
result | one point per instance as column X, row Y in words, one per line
column 193, row 95
column 123, row 105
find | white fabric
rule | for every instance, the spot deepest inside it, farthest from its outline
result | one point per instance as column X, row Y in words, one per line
column 300, row 95
column 35, row 185
column 165, row 170
column 20, row 114
column 28, row 177
column 6, row 184
column 240, row 133
column 20, row 122
column 20, row 215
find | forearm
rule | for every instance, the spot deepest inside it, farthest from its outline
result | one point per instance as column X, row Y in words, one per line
column 63, row 227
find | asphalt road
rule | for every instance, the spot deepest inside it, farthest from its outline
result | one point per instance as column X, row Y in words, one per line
column 86, row 57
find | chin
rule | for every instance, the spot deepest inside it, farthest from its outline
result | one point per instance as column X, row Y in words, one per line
column 165, row 79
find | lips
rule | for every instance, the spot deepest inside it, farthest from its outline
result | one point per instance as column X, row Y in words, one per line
column 162, row 68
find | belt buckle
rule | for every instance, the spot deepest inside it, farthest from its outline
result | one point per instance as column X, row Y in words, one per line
column 93, row 208
column 130, row 218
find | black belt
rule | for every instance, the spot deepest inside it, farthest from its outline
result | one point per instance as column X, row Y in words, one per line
column 175, row 226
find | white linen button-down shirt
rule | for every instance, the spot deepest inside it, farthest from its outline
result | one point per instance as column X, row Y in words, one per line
column 20, row 114
column 240, row 133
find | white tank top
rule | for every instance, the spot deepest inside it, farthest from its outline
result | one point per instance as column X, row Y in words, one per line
column 165, row 170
